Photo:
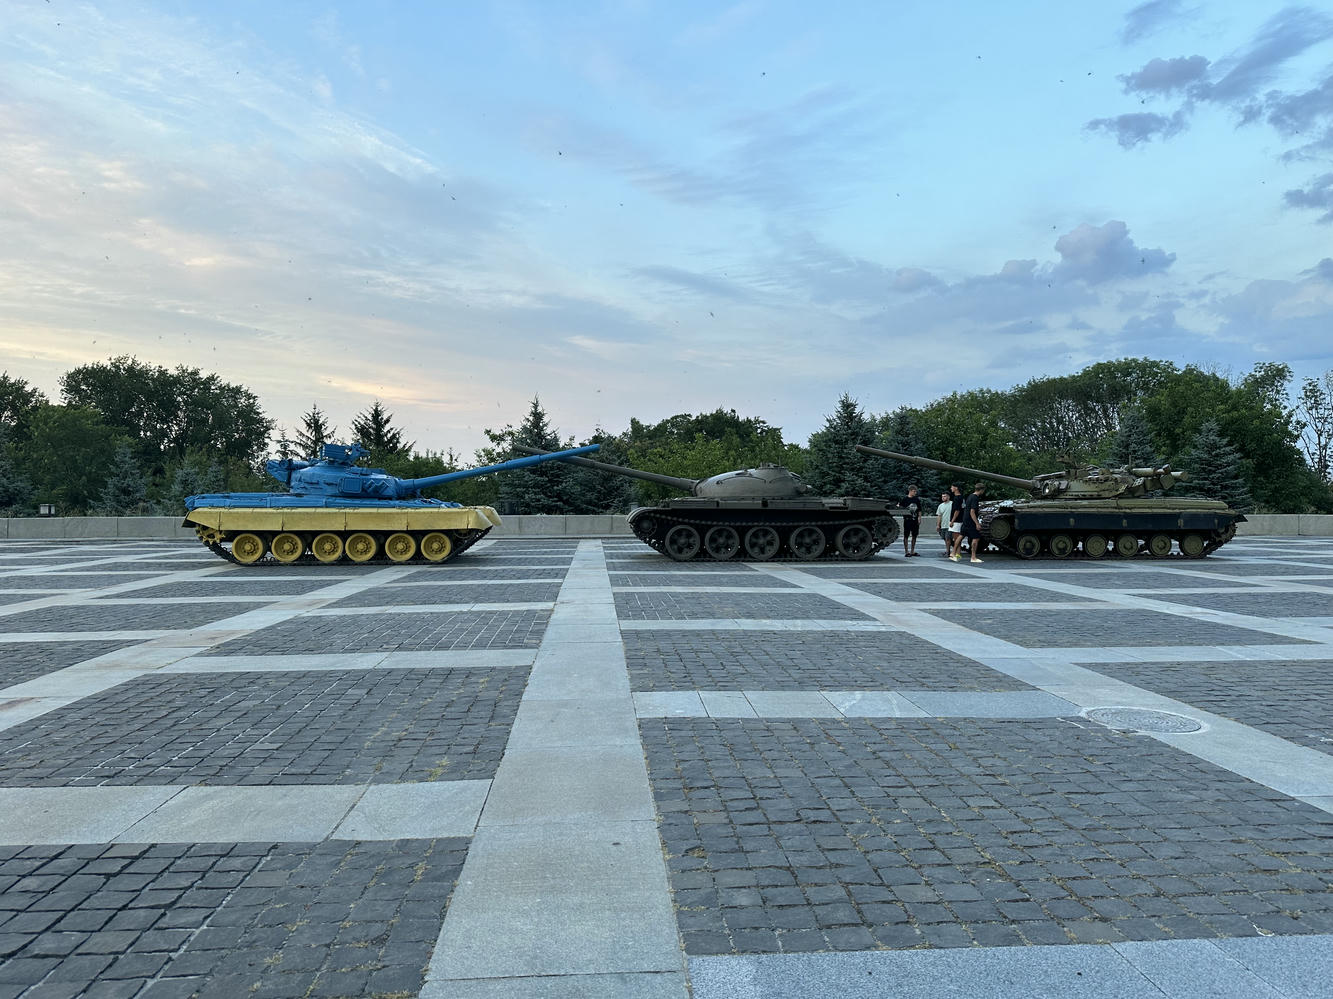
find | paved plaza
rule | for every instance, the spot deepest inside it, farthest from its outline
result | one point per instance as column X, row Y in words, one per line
column 573, row 768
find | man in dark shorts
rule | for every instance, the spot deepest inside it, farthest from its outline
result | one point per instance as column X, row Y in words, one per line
column 911, row 522
column 956, row 522
column 972, row 521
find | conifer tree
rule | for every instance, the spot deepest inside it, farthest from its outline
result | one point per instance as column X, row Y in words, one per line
column 315, row 431
column 901, row 434
column 542, row 488
column 190, row 479
column 1133, row 444
column 1216, row 469
column 374, row 428
column 590, row 490
column 15, row 489
column 835, row 467
column 125, row 489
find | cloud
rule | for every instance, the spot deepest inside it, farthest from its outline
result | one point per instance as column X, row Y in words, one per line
column 1142, row 126
column 679, row 278
column 1323, row 270
column 1147, row 18
column 1317, row 195
column 1102, row 253
column 1164, row 76
column 1284, row 36
column 912, row 279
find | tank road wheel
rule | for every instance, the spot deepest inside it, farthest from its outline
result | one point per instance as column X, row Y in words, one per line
column 1126, row 546
column 722, row 542
column 327, row 547
column 287, row 547
column 807, row 543
column 1094, row 545
column 854, row 542
column 247, row 548
column 400, row 547
column 1027, row 546
column 1191, row 545
column 1060, row 546
column 1159, row 545
column 886, row 530
column 436, row 547
column 361, row 547
column 1001, row 528
column 762, row 543
column 682, row 542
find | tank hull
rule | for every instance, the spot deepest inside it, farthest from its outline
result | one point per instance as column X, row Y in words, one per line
column 1152, row 527
column 397, row 534
column 803, row 529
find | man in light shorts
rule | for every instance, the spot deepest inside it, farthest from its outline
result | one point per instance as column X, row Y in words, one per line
column 956, row 522
column 942, row 519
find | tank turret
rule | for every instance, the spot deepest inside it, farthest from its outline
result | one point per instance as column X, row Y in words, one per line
column 1094, row 510
column 1076, row 482
column 756, row 513
column 334, row 509
column 767, row 481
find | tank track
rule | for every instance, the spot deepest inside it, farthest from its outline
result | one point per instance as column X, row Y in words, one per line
column 1212, row 543
column 830, row 553
column 268, row 561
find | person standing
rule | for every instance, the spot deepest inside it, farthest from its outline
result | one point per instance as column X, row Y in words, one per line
column 911, row 522
column 955, row 522
column 942, row 520
column 972, row 521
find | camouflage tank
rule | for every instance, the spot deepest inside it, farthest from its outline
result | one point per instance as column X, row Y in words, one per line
column 1095, row 510
column 757, row 514
column 335, row 510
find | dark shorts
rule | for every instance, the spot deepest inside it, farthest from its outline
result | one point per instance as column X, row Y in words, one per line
column 911, row 528
column 970, row 530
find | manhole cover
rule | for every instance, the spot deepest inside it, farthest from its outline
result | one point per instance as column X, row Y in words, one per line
column 1142, row 720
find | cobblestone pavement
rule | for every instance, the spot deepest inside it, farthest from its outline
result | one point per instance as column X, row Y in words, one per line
column 615, row 775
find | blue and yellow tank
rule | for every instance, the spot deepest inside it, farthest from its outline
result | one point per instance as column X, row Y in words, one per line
column 337, row 511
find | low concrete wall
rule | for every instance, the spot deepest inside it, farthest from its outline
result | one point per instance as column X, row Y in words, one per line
column 571, row 526
column 88, row 528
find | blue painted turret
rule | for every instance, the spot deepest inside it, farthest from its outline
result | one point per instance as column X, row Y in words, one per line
column 336, row 480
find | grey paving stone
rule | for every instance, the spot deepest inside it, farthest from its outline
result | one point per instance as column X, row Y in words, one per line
column 67, row 580
column 416, row 811
column 22, row 661
column 796, row 660
column 643, row 560
column 960, row 591
column 1296, row 966
column 230, row 586
column 669, row 606
column 1262, row 604
column 951, row 833
column 319, row 727
column 74, row 815
column 376, row 907
column 454, row 593
column 111, row 617
column 1006, row 704
column 1197, row 967
column 484, row 572
column 1292, row 699
column 660, row 579
column 644, row 985
column 1114, row 626
column 1148, row 577
column 391, row 632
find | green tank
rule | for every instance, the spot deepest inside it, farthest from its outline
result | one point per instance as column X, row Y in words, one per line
column 1095, row 511
column 755, row 514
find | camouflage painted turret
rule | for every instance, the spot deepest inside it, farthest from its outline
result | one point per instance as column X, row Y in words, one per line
column 1095, row 510
column 337, row 510
column 754, row 513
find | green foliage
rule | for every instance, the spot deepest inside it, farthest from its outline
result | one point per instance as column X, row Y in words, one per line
column 539, row 488
column 967, row 429
column 835, row 467
column 195, row 473
column 593, row 491
column 1132, row 443
column 15, row 489
column 1216, row 469
column 374, row 429
column 169, row 413
column 18, row 399
column 69, row 454
column 124, row 494
column 1316, row 411
column 901, row 433
column 315, row 431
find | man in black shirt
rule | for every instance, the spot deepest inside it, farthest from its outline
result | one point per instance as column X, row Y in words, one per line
column 911, row 522
column 972, row 521
column 956, row 523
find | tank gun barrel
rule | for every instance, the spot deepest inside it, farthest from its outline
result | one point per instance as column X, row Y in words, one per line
column 687, row 485
column 410, row 487
column 943, row 466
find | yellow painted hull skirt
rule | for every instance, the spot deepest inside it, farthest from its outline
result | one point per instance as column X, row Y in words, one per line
column 329, row 535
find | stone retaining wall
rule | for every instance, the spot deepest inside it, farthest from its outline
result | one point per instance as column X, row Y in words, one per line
column 572, row 526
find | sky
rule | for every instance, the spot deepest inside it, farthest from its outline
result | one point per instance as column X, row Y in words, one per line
column 638, row 209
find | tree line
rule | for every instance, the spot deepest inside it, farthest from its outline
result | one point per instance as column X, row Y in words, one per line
column 128, row 437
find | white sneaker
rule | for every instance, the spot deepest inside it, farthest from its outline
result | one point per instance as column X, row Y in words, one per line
column 976, row 561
